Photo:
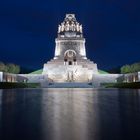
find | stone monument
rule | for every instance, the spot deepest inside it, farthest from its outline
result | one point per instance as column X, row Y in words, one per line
column 70, row 63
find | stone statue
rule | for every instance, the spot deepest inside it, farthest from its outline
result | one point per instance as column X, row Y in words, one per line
column 77, row 27
column 62, row 27
column 80, row 28
column 59, row 29
column 67, row 27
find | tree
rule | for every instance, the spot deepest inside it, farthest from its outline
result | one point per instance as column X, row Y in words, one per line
column 17, row 69
column 11, row 68
column 130, row 68
column 135, row 67
column 125, row 69
column 3, row 67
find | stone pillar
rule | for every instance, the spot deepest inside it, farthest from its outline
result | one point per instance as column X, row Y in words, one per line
column 82, row 48
column 1, row 76
column 57, row 49
column 134, row 78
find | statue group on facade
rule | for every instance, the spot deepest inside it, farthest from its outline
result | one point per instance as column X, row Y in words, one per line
column 70, row 24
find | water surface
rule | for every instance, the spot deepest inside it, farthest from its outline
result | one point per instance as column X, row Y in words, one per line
column 69, row 114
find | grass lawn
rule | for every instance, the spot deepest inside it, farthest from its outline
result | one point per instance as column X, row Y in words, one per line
column 41, row 70
column 135, row 85
column 6, row 85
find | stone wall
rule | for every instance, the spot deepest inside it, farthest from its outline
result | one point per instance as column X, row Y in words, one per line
column 1, row 76
column 30, row 78
column 9, row 77
column 98, row 79
column 139, row 76
column 62, row 45
column 35, row 78
column 69, row 73
column 130, row 77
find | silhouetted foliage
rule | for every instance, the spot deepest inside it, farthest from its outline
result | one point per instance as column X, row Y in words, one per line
column 130, row 68
column 10, row 68
column 3, row 67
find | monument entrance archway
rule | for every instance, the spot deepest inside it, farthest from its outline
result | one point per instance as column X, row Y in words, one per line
column 70, row 57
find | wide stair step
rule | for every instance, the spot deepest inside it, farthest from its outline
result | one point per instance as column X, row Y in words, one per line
column 70, row 85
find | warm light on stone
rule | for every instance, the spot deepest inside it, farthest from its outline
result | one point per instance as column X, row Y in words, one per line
column 70, row 63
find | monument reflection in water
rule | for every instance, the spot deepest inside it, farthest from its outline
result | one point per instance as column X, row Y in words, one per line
column 69, row 114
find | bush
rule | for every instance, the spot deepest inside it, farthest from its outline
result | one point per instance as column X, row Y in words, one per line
column 10, row 68
column 130, row 68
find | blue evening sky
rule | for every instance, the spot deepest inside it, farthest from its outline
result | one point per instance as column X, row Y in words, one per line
column 111, row 27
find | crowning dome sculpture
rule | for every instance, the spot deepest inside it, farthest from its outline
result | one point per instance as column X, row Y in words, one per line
column 70, row 63
column 70, row 24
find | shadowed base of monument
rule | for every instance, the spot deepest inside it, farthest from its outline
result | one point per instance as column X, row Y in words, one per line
column 7, row 85
column 67, row 85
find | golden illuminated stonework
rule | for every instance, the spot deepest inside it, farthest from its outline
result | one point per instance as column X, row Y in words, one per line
column 70, row 63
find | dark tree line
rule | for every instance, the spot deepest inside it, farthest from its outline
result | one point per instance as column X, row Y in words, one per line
column 10, row 68
column 130, row 68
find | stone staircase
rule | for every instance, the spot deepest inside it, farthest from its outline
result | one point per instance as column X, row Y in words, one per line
column 68, row 85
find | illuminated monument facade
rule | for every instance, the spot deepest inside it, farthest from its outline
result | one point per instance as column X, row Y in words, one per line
column 70, row 63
